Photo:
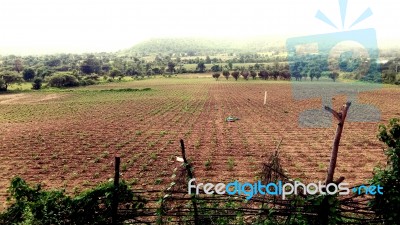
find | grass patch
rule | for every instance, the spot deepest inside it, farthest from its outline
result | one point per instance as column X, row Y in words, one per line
column 126, row 90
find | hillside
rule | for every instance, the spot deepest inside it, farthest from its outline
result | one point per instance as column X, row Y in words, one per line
column 204, row 46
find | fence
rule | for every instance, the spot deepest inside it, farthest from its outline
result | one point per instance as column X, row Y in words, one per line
column 175, row 206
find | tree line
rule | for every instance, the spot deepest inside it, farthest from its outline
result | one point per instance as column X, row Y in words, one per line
column 88, row 67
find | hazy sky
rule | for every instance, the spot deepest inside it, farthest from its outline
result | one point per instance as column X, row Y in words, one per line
column 48, row 26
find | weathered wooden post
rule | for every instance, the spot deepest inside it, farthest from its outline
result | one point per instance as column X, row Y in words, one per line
column 341, row 117
column 190, row 175
column 114, row 209
column 324, row 209
column 265, row 98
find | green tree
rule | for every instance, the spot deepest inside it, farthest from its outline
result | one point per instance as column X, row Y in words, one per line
column 91, row 65
column 215, row 68
column 245, row 74
column 115, row 73
column 171, row 67
column 312, row 74
column 28, row 74
column 226, row 74
column 37, row 83
column 253, row 74
column 235, row 75
column 18, row 65
column 201, row 67
column 63, row 80
column 318, row 75
column 2, row 85
column 216, row 75
column 334, row 76
column 7, row 78
column 208, row 59
column 230, row 65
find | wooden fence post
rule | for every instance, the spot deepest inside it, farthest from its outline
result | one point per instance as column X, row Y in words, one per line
column 265, row 98
column 190, row 175
column 116, row 189
column 324, row 209
column 341, row 117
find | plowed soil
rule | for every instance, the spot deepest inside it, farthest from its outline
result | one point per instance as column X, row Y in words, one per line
column 69, row 139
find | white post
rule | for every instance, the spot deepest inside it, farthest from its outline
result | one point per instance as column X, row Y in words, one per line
column 265, row 98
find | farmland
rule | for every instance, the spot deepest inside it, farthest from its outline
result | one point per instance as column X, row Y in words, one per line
column 68, row 138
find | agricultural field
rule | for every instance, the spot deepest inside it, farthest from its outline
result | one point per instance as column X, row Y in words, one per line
column 68, row 138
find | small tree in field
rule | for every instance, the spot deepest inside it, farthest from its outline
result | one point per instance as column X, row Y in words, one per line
column 63, row 80
column 334, row 76
column 235, row 74
column 115, row 73
column 171, row 68
column 226, row 74
column 215, row 68
column 37, row 83
column 318, row 75
column 18, row 65
column 201, row 67
column 263, row 74
column 253, row 74
column 245, row 74
column 2, row 85
column 7, row 78
column 216, row 75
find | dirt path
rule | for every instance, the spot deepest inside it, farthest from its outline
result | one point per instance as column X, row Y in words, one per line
column 26, row 98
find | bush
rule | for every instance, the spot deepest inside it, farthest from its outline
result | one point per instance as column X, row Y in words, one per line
column 63, row 80
column 31, row 205
column 226, row 74
column 387, row 205
column 235, row 75
column 28, row 74
column 37, row 83
column 87, row 82
column 92, row 77
column 334, row 76
column 216, row 75
column 2, row 85
column 7, row 78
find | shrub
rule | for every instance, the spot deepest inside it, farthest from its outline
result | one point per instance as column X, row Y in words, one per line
column 216, row 75
column 37, row 83
column 7, row 78
column 92, row 77
column 115, row 73
column 334, row 76
column 63, row 80
column 226, row 74
column 87, row 81
column 28, row 74
column 245, row 74
column 31, row 205
column 253, row 74
column 235, row 74
column 2, row 85
column 387, row 205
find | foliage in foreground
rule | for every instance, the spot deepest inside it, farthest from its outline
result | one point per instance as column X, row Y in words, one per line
column 32, row 205
column 388, row 204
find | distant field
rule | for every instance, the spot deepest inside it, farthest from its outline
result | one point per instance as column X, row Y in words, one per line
column 68, row 139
